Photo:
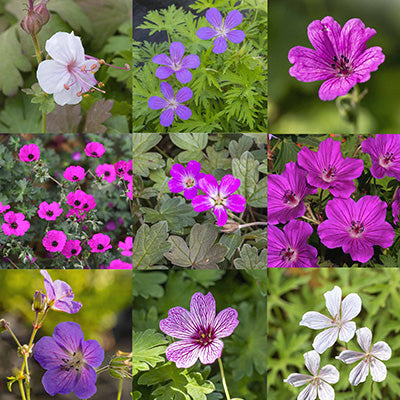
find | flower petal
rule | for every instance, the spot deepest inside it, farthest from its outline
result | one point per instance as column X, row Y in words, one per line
column 164, row 72
column 298, row 379
column 68, row 335
column 220, row 45
column 68, row 96
column 167, row 117
column 190, row 193
column 233, row 19
column 364, row 338
column 167, row 91
column 52, row 76
column 183, row 112
column 225, row 322
column 337, row 86
column 48, row 353
column 184, row 94
column 193, row 168
column 359, row 373
column 214, row 17
column 228, row 185
column 65, row 47
column 211, row 352
column 349, row 357
column 86, row 385
column 202, row 308
column 190, row 61
column 157, row 103
column 202, row 203
column 162, row 59
column 325, row 339
column 58, row 381
column 221, row 214
column 236, row 203
column 315, row 320
column 333, row 299
column 183, row 352
column 183, row 75
column 236, row 36
column 329, row 373
column 347, row 331
column 325, row 391
column 176, row 50
column 209, row 185
column 312, row 360
column 206, row 33
column 378, row 370
column 176, row 186
column 351, row 307
column 180, row 323
column 93, row 353
column 308, row 393
column 381, row 350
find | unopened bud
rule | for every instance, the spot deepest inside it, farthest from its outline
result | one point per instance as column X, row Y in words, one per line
column 121, row 366
column 39, row 301
column 42, row 11
column 36, row 17
column 3, row 325
column 230, row 226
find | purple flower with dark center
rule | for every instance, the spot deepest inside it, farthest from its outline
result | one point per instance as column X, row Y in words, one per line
column 29, row 152
column 327, row 169
column 119, row 264
column 340, row 58
column 4, row 207
column 121, row 167
column 289, row 249
column 385, row 155
column 356, row 226
column 185, row 180
column 176, row 64
column 219, row 197
column 285, row 194
column 74, row 173
column 70, row 361
column 126, row 246
column 49, row 212
column 54, row 241
column 171, row 105
column 222, row 30
column 128, row 173
column 15, row 224
column 200, row 331
column 72, row 248
column 81, row 200
column 107, row 172
column 94, row 149
column 59, row 295
column 99, row 243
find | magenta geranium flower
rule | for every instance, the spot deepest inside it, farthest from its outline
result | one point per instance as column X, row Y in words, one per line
column 222, row 30
column 94, row 149
column 176, row 64
column 54, row 241
column 29, row 152
column 107, row 172
column 121, row 167
column 200, row 331
column 4, row 207
column 128, row 173
column 49, row 212
column 286, row 193
column 185, row 180
column 70, row 361
column 81, row 200
column 126, row 246
column 341, row 57
column 72, row 248
column 119, row 264
column 171, row 105
column 99, row 243
column 385, row 155
column 74, row 173
column 356, row 226
column 327, row 169
column 289, row 249
column 15, row 224
column 219, row 197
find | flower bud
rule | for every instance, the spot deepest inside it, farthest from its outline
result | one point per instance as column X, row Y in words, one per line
column 42, row 11
column 39, row 301
column 3, row 325
column 121, row 366
column 37, row 17
column 230, row 226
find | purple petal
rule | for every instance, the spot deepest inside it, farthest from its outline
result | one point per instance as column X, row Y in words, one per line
column 190, row 61
column 167, row 91
column 190, row 193
column 236, row 203
column 183, row 75
column 233, row 19
column 48, row 284
column 334, row 87
column 176, row 50
column 178, row 171
column 193, row 168
column 211, row 352
column 202, row 203
column 183, row 352
column 220, row 45
column 235, row 36
column 93, row 353
column 180, row 324
column 206, row 33
column 167, row 117
column 48, row 353
column 209, row 185
column 228, row 185
column 202, row 308
column 156, row 103
column 184, row 94
column 214, row 17
column 183, row 112
column 58, row 381
column 225, row 322
column 68, row 335
column 222, row 216
column 68, row 306
column 369, row 61
column 176, row 186
column 86, row 385
column 162, row 59
column 164, row 72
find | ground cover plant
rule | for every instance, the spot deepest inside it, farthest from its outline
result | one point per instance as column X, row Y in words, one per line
column 199, row 201
column 208, row 75
column 65, row 201
column 233, row 340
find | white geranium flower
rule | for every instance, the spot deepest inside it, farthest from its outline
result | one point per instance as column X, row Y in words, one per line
column 318, row 381
column 369, row 359
column 339, row 324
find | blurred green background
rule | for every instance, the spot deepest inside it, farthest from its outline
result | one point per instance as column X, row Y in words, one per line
column 294, row 107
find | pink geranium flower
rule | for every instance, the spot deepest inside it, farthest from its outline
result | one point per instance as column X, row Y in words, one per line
column 94, row 149
column 74, row 173
column 119, row 264
column 107, row 172
column 185, row 179
column 54, row 241
column 71, row 248
column 126, row 246
column 99, row 243
column 29, row 152
column 15, row 224
column 49, row 212
column 81, row 200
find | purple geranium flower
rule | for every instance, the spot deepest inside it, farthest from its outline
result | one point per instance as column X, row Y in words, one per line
column 54, row 241
column 285, row 194
column 171, row 105
column 219, row 198
column 72, row 248
column 49, row 212
column 59, row 295
column 70, row 361
column 356, row 226
column 95, row 149
column 328, row 169
column 99, row 243
column 15, row 224
column 74, row 173
column 29, row 152
column 222, row 30
column 199, row 329
column 340, row 58
column 289, row 248
column 385, row 155
column 177, row 64
column 185, row 180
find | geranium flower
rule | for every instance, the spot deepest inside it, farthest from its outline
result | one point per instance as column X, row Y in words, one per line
column 200, row 331
column 99, row 243
column 119, row 264
column 176, row 64
column 185, row 180
column 171, row 105
column 126, row 246
column 72, row 248
column 59, row 295
column 29, row 152
column 340, row 323
column 370, row 358
column 222, row 30
column 94, row 149
column 340, row 58
column 74, row 173
column 285, row 194
column 121, row 167
column 107, row 172
column 15, row 224
column 327, row 169
column 49, row 212
column 356, row 227
column 4, row 207
column 81, row 200
column 70, row 361
column 54, row 241
column 318, row 382
column 289, row 249
column 128, row 173
column 219, row 197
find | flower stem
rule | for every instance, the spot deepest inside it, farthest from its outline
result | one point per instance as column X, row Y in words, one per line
column 21, row 388
column 221, row 367
column 252, row 224
column 119, row 390
column 372, row 391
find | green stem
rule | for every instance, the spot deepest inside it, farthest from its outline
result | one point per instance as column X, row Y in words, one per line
column 372, row 391
column 21, row 388
column 253, row 224
column 221, row 367
column 119, row 390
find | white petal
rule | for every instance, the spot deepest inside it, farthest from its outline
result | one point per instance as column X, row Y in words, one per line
column 359, row 373
column 333, row 299
column 68, row 96
column 378, row 370
column 315, row 320
column 381, row 350
column 349, row 357
column 66, row 48
column 347, row 331
column 329, row 373
column 312, row 360
column 325, row 391
column 364, row 338
column 325, row 339
column 52, row 76
column 351, row 307
column 308, row 393
column 298, row 379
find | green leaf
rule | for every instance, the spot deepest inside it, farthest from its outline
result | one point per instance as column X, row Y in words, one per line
column 250, row 259
column 189, row 141
column 136, row 395
column 144, row 161
column 46, row 102
column 206, row 278
column 237, row 148
column 287, row 153
column 148, row 284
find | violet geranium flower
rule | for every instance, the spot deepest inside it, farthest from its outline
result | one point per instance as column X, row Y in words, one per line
column 289, row 249
column 15, row 224
column 356, row 226
column 327, row 169
column 70, row 361
column 54, row 241
column 171, row 105
column 222, row 30
column 340, row 58
column 200, row 331
column 219, row 197
column 49, row 212
column 29, row 152
column 176, row 64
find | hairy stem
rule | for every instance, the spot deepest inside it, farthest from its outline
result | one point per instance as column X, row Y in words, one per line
column 119, row 390
column 221, row 367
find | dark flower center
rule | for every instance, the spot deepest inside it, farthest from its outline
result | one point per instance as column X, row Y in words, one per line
column 341, row 65
column 100, row 247
column 86, row 205
column 329, row 173
column 14, row 225
column 74, row 251
column 204, row 336
column 288, row 254
column 130, row 172
column 356, row 228
column 77, row 202
column 387, row 159
column 290, row 197
column 94, row 153
column 50, row 213
column 73, row 362
column 54, row 243
column 75, row 178
column 189, row 182
column 107, row 173
column 30, row 156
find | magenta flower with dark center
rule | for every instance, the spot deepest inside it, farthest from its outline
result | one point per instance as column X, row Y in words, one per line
column 289, row 249
column 286, row 193
column 176, row 64
column 72, row 248
column 29, row 152
column 74, row 173
column 15, row 224
column 222, row 30
column 200, row 331
column 99, row 243
column 385, row 155
column 107, row 172
column 81, row 200
column 327, row 169
column 126, row 246
column 70, row 361
column 185, row 180
column 121, row 167
column 49, row 212
column 128, row 173
column 4, row 207
column 119, row 264
column 94, row 149
column 54, row 241
column 171, row 105
column 341, row 57
column 356, row 227
column 219, row 197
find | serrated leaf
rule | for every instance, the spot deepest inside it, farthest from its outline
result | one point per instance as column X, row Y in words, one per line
column 250, row 259
column 237, row 148
column 64, row 119
column 46, row 102
column 144, row 161
column 148, row 284
column 189, row 141
column 98, row 113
